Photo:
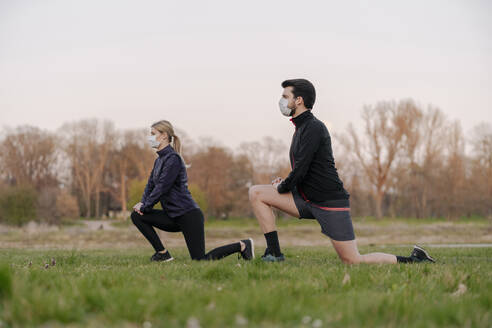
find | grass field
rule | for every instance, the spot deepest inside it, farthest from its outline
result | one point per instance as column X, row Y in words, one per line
column 121, row 288
column 292, row 232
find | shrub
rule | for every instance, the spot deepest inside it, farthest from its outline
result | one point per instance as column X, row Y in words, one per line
column 18, row 204
column 67, row 206
column 199, row 196
column 5, row 281
column 135, row 192
column 46, row 205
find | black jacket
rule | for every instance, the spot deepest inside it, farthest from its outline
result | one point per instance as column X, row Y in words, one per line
column 313, row 166
column 168, row 183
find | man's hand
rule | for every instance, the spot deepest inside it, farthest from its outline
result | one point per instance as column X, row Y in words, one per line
column 276, row 182
column 137, row 207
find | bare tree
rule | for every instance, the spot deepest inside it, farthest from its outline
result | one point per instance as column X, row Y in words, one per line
column 385, row 128
column 405, row 161
column 269, row 158
column 130, row 158
column 481, row 173
column 88, row 143
column 241, row 174
column 481, row 142
column 453, row 177
column 210, row 170
column 421, row 162
column 28, row 156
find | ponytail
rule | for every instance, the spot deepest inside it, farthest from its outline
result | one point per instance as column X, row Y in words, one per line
column 176, row 144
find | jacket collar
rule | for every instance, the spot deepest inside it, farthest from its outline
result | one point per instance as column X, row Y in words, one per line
column 166, row 150
column 301, row 119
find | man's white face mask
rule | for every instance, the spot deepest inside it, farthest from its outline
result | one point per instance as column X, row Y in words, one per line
column 282, row 104
column 153, row 141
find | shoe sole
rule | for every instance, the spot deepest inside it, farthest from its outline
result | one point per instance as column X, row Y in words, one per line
column 425, row 252
column 272, row 261
column 168, row 260
column 252, row 248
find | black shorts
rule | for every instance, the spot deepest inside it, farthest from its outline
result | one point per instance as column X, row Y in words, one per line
column 333, row 216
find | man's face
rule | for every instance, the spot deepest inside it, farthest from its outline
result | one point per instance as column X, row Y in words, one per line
column 287, row 94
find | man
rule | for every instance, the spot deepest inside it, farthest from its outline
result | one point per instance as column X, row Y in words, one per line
column 313, row 189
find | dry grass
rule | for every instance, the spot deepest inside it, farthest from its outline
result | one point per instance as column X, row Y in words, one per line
column 292, row 233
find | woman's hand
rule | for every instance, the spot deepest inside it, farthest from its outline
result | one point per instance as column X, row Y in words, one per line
column 137, row 207
column 276, row 182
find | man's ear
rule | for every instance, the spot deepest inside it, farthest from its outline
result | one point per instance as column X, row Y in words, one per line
column 299, row 101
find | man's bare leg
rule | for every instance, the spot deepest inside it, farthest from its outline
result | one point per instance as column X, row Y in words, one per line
column 349, row 253
column 263, row 198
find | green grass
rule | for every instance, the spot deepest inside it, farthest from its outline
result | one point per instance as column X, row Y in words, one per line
column 117, row 288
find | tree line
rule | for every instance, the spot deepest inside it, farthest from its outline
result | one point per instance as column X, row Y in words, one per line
column 405, row 160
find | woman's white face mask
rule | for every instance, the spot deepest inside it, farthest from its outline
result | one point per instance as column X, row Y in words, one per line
column 153, row 141
column 282, row 104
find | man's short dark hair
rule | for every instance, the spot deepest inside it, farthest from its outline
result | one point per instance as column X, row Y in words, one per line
column 302, row 88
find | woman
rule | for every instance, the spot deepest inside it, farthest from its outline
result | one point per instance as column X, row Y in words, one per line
column 168, row 183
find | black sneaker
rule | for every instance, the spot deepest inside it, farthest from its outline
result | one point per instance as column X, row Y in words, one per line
column 249, row 251
column 267, row 251
column 267, row 257
column 420, row 255
column 162, row 257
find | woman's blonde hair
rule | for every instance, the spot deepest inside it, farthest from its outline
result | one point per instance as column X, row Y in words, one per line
column 166, row 126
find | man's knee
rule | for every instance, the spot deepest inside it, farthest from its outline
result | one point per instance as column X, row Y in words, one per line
column 351, row 259
column 254, row 193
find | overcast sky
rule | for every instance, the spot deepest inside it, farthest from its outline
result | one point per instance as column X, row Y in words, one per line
column 214, row 68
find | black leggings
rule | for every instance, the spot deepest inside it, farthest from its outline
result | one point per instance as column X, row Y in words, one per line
column 190, row 224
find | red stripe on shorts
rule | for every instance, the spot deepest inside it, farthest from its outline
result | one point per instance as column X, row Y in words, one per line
column 337, row 209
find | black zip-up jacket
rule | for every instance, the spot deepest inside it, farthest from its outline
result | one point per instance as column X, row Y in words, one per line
column 313, row 166
column 168, row 183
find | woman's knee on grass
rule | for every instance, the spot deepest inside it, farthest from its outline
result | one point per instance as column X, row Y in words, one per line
column 135, row 217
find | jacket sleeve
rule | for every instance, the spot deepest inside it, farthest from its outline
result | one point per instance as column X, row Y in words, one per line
column 309, row 144
column 167, row 177
column 149, row 187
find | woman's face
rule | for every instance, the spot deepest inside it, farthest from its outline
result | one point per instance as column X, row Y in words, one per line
column 160, row 137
